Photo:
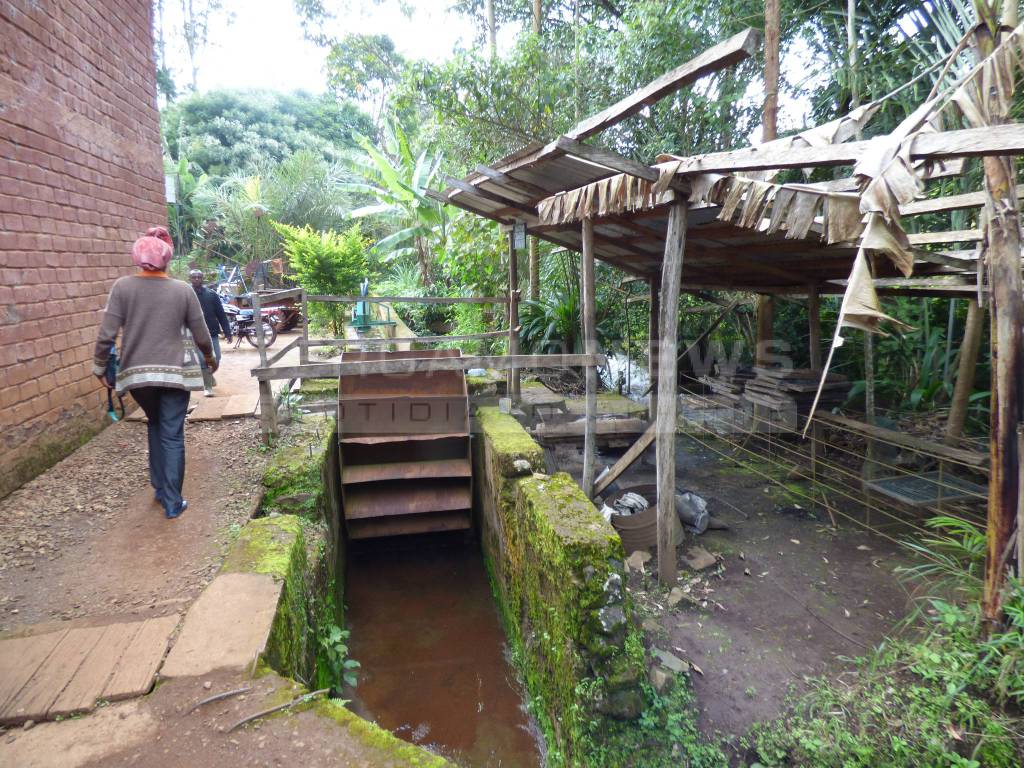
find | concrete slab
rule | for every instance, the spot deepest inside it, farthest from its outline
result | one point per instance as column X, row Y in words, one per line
column 86, row 741
column 241, row 405
column 227, row 627
column 208, row 409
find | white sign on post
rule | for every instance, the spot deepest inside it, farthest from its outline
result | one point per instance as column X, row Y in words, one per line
column 519, row 235
column 171, row 188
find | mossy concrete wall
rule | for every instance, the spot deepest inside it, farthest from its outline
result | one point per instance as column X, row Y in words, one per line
column 557, row 569
column 280, row 546
column 303, row 478
column 292, row 549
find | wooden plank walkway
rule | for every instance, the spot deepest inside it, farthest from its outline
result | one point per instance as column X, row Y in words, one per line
column 66, row 672
column 214, row 408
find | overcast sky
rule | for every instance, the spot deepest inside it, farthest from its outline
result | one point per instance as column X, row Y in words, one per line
column 260, row 44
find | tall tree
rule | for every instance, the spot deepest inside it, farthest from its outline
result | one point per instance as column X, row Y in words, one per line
column 195, row 30
column 364, row 68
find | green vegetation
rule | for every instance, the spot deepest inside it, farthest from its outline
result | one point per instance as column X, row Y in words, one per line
column 326, row 263
column 336, row 669
column 228, row 132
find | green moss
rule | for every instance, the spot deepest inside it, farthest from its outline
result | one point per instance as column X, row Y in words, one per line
column 393, row 751
column 508, row 441
column 36, row 456
column 481, row 385
column 278, row 546
column 608, row 402
column 293, row 481
column 556, row 570
column 315, row 388
column 265, row 545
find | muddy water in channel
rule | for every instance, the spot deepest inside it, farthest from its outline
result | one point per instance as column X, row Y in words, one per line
column 434, row 660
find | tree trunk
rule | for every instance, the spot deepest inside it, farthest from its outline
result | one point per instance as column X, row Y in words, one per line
column 1001, row 253
column 534, row 270
column 421, row 257
column 492, row 36
column 769, row 128
column 538, row 12
column 966, row 368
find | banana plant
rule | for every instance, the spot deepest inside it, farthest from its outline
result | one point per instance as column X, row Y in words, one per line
column 398, row 180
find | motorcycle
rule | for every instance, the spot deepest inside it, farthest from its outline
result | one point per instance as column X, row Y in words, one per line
column 243, row 325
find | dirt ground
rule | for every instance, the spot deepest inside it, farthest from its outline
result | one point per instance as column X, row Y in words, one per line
column 85, row 540
column 162, row 730
column 790, row 598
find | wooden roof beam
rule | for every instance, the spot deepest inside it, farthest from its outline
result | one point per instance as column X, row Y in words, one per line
column 605, row 158
column 949, row 203
column 718, row 57
column 968, row 142
column 503, row 178
column 493, row 197
column 493, row 215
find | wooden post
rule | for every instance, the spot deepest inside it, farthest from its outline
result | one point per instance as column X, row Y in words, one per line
column 765, row 323
column 304, row 348
column 671, row 278
column 966, row 368
column 814, row 326
column 257, row 317
column 653, row 345
column 514, row 390
column 869, row 415
column 589, row 347
column 268, row 415
column 1020, row 501
column 1001, row 251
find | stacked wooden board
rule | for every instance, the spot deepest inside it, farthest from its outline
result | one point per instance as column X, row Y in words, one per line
column 728, row 385
column 792, row 390
column 404, row 440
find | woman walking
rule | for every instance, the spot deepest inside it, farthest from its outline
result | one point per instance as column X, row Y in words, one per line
column 162, row 325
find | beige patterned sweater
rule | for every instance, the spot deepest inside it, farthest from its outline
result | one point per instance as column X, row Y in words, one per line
column 159, row 319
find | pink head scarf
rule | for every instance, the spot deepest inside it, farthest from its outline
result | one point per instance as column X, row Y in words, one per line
column 151, row 254
column 161, row 233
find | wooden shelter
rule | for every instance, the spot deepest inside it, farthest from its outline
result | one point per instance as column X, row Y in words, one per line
column 720, row 221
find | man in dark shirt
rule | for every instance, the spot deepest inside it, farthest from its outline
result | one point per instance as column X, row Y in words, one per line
column 216, row 318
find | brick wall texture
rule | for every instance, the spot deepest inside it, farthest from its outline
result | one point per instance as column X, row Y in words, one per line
column 80, row 179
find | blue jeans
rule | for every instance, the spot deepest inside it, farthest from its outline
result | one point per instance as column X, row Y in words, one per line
column 208, row 381
column 165, row 410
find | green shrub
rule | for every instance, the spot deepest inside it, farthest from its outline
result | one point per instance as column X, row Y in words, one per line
column 327, row 263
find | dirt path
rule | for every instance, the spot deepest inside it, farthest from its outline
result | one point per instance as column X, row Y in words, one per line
column 86, row 541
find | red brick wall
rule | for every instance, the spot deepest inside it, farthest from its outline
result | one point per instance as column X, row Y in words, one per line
column 80, row 179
